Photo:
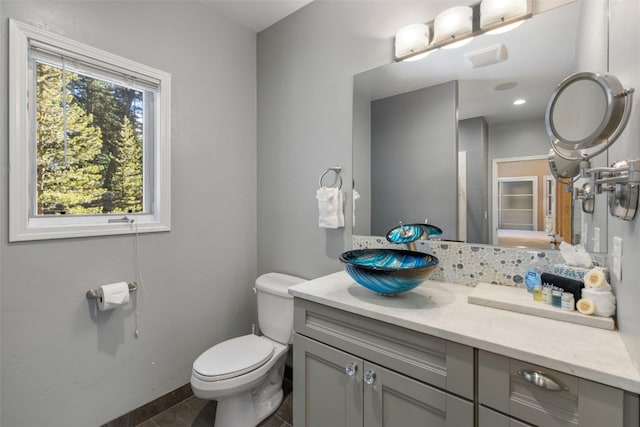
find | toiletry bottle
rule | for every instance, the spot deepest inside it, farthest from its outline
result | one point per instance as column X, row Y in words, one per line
column 532, row 276
column 556, row 297
column 537, row 293
column 546, row 294
column 568, row 302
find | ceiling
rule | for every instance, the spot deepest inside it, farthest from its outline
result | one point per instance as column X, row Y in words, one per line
column 540, row 54
column 256, row 14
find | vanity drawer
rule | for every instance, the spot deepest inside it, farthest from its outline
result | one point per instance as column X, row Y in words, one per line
column 432, row 360
column 491, row 418
column 549, row 398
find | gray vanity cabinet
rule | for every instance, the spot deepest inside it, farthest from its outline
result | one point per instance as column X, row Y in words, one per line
column 516, row 393
column 354, row 371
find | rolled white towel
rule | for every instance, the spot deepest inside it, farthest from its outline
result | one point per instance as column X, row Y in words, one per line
column 603, row 299
column 594, row 278
column 330, row 207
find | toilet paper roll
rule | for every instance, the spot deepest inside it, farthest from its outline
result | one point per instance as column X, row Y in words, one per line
column 113, row 295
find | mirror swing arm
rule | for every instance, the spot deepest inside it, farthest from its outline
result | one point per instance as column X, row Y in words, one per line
column 622, row 180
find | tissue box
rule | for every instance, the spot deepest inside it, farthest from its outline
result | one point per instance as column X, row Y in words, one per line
column 576, row 273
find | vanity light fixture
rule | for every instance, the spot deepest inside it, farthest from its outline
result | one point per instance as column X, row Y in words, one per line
column 500, row 16
column 454, row 27
column 412, row 39
column 457, row 26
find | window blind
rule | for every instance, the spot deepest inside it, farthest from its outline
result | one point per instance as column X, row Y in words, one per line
column 90, row 67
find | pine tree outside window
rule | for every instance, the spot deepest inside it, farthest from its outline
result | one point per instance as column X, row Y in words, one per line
column 89, row 140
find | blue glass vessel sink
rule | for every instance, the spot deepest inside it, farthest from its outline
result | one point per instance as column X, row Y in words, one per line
column 388, row 271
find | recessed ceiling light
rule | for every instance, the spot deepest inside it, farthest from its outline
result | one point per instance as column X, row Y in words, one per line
column 506, row 86
column 519, row 101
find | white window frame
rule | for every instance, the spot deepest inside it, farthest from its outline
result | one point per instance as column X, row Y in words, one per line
column 24, row 226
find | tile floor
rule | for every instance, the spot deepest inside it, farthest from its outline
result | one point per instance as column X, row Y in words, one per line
column 195, row 412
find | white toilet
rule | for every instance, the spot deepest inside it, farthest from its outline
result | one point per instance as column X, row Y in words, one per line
column 245, row 374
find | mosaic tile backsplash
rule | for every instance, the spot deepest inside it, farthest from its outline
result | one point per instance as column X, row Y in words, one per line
column 468, row 263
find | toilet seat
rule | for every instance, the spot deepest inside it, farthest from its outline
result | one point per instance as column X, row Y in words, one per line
column 233, row 358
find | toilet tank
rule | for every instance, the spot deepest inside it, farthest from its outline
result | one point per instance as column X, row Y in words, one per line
column 275, row 305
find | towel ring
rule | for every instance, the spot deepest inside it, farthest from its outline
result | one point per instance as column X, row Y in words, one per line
column 336, row 170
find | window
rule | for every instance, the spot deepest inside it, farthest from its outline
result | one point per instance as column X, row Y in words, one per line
column 89, row 140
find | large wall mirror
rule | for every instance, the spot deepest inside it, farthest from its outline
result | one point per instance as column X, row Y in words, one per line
column 440, row 139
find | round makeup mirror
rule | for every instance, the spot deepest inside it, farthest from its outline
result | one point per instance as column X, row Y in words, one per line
column 586, row 114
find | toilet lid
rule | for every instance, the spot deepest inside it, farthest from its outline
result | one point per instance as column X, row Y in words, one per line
column 233, row 357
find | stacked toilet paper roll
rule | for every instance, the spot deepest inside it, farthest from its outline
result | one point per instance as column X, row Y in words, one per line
column 113, row 295
column 597, row 297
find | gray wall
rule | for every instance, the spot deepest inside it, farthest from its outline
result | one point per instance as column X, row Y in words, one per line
column 414, row 151
column 62, row 363
column 518, row 139
column 61, row 366
column 624, row 62
column 474, row 139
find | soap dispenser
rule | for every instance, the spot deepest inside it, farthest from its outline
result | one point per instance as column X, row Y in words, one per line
column 532, row 277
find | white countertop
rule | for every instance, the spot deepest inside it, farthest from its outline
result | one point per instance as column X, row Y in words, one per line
column 441, row 309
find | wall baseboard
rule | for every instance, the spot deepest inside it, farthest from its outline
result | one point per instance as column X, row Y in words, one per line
column 153, row 408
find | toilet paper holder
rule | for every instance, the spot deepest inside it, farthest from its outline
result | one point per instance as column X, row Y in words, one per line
column 93, row 293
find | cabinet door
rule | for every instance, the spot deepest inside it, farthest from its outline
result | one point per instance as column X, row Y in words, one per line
column 391, row 399
column 325, row 394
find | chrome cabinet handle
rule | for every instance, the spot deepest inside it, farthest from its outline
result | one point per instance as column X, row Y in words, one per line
column 351, row 369
column 369, row 377
column 540, row 379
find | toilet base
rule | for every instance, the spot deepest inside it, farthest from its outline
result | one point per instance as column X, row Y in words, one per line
column 241, row 411
column 268, row 407
column 254, row 402
column 238, row 411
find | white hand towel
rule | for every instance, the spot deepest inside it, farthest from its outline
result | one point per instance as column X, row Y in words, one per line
column 330, row 207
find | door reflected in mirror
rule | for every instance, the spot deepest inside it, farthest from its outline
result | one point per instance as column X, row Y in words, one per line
column 530, row 209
